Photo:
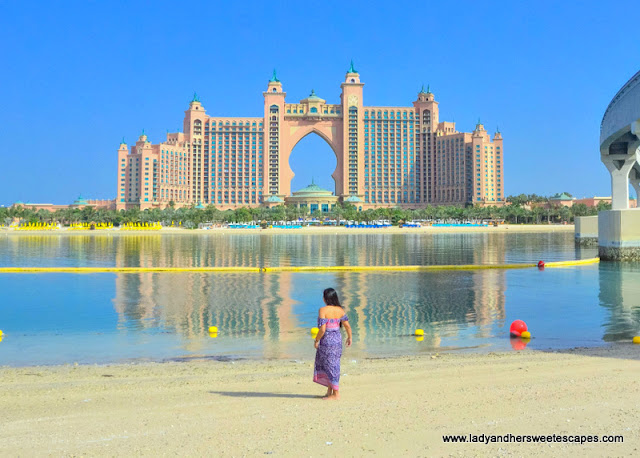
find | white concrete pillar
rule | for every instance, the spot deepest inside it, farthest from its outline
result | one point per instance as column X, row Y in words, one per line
column 619, row 166
column 634, row 179
column 634, row 175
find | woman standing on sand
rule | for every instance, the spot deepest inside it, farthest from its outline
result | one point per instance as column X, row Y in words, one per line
column 328, row 342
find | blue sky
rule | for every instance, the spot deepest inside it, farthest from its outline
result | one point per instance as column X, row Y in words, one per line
column 78, row 76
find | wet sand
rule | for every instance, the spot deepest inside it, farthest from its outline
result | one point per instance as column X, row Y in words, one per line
column 390, row 407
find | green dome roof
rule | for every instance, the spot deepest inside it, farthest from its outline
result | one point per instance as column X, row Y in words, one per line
column 199, row 206
column 80, row 201
column 274, row 199
column 313, row 190
column 353, row 199
column 313, row 98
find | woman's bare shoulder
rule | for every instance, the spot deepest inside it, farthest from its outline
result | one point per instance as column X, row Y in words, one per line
column 331, row 312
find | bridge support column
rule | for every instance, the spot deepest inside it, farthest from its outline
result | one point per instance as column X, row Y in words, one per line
column 619, row 166
column 619, row 228
column 619, row 235
column 634, row 179
column 586, row 230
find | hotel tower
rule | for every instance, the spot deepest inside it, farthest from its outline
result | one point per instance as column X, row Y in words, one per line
column 386, row 156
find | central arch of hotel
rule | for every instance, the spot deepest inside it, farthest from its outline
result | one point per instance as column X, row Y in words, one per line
column 299, row 130
column 286, row 124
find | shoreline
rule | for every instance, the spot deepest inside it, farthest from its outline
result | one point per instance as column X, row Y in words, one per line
column 389, row 406
column 617, row 349
column 427, row 230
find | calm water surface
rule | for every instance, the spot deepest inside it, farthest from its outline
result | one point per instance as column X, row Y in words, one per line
column 98, row 318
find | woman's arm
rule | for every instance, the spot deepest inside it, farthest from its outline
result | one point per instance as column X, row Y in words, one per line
column 321, row 332
column 347, row 328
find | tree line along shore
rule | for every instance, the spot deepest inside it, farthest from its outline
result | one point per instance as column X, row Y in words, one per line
column 517, row 212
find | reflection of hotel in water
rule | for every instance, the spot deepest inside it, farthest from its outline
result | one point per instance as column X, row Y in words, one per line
column 475, row 297
column 240, row 304
column 266, row 305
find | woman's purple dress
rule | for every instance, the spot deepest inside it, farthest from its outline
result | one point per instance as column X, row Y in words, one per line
column 327, row 370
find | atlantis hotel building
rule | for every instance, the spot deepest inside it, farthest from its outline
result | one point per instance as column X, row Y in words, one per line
column 400, row 156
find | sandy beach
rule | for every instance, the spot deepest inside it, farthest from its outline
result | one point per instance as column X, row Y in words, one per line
column 394, row 407
column 536, row 228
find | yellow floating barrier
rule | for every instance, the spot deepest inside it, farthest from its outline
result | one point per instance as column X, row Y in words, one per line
column 91, row 270
column 578, row 262
column 390, row 268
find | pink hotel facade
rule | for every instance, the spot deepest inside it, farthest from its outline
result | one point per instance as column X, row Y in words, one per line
column 386, row 156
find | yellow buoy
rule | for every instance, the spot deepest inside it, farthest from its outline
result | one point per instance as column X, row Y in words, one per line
column 636, row 339
column 213, row 335
column 0, row 332
column 419, row 338
column 419, row 332
column 314, row 331
column 213, row 330
column 526, row 335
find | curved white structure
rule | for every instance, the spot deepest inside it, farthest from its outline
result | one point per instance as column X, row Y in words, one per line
column 620, row 140
column 619, row 228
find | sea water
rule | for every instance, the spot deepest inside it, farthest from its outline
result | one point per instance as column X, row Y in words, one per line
column 119, row 317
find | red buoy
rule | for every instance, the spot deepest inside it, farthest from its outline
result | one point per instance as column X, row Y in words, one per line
column 518, row 327
column 540, row 264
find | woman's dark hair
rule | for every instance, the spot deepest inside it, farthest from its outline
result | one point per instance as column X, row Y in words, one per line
column 331, row 297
